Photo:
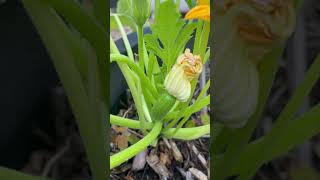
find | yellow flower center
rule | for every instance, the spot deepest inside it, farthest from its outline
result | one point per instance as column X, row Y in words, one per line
column 192, row 64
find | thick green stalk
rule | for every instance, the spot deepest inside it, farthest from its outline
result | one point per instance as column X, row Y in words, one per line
column 125, row 155
column 133, row 124
column 187, row 133
column 140, row 47
column 182, row 133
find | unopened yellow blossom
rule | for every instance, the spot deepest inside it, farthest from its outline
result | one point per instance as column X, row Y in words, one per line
column 177, row 82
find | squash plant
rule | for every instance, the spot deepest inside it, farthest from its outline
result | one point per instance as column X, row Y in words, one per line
column 164, row 75
column 162, row 78
column 246, row 61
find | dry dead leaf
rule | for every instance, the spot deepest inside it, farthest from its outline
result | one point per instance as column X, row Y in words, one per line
column 121, row 142
column 198, row 174
column 176, row 152
column 154, row 162
column 119, row 129
column 165, row 159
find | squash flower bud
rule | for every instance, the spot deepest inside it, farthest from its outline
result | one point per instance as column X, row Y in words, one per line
column 141, row 11
column 177, row 82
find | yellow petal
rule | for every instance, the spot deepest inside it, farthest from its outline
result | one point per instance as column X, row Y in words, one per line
column 199, row 12
column 203, row 2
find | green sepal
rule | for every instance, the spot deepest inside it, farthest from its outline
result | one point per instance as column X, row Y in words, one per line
column 162, row 106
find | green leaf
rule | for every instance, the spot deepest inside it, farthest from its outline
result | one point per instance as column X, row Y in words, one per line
column 125, row 7
column 100, row 11
column 153, row 46
column 11, row 174
column 58, row 42
column 125, row 20
column 205, row 118
column 304, row 172
column 170, row 34
column 190, row 3
column 297, row 132
column 190, row 124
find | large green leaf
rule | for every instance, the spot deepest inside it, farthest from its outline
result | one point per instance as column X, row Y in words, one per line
column 58, row 41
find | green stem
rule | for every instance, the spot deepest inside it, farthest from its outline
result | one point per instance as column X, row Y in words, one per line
column 125, row 155
column 203, row 91
column 124, row 37
column 139, row 105
column 187, row 133
column 297, row 132
column 204, row 39
column 129, row 76
column 196, row 45
column 187, row 112
column 133, row 124
column 113, row 47
column 182, row 133
column 140, row 73
column 140, row 47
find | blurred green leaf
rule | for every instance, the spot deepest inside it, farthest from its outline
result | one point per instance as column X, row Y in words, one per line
column 125, row 20
column 10, row 174
column 205, row 118
column 125, row 7
column 304, row 173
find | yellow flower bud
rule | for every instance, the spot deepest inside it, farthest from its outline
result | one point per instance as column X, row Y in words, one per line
column 177, row 81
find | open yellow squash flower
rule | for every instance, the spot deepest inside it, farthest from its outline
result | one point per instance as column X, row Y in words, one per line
column 201, row 11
